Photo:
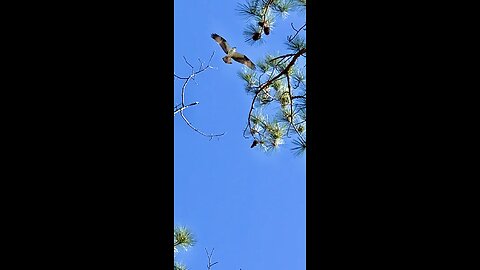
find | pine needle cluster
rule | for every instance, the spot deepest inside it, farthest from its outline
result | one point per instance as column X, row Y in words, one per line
column 261, row 16
column 182, row 237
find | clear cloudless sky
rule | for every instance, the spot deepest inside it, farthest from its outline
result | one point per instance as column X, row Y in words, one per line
column 248, row 205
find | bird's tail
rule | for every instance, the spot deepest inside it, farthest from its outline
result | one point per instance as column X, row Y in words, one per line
column 227, row 59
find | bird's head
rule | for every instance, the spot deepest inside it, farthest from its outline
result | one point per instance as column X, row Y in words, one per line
column 232, row 50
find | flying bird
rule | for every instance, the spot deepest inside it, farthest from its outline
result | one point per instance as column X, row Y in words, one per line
column 232, row 53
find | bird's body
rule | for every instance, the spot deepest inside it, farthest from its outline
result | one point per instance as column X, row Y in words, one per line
column 232, row 53
column 228, row 58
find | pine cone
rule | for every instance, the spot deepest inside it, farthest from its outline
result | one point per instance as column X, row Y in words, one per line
column 256, row 36
column 266, row 29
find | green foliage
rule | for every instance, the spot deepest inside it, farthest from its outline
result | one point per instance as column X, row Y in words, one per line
column 261, row 15
column 182, row 237
column 298, row 78
column 296, row 44
column 283, row 96
column 299, row 147
column 250, row 80
column 301, row 5
column 282, row 7
column 278, row 85
column 249, row 9
column 286, row 103
column 179, row 266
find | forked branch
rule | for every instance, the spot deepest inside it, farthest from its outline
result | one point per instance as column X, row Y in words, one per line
column 179, row 108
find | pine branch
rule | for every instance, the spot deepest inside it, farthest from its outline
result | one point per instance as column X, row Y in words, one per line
column 283, row 6
column 296, row 44
column 248, row 10
column 291, row 109
column 263, row 86
column 300, row 147
column 277, row 78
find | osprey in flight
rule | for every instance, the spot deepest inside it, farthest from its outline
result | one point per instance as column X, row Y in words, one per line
column 232, row 53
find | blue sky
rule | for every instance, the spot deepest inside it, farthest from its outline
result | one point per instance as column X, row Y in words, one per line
column 248, row 205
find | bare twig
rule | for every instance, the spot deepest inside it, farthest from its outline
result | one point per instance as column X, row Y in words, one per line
column 179, row 108
column 210, row 264
column 282, row 56
column 290, row 38
column 181, row 78
column 197, row 130
column 183, row 107
column 304, row 97
column 184, row 58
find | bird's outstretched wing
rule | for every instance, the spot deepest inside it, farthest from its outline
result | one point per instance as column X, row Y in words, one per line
column 241, row 58
column 222, row 42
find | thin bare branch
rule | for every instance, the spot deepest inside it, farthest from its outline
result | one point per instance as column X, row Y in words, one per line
column 181, row 107
column 304, row 97
column 290, row 38
column 211, row 56
column 184, row 58
column 210, row 264
column 178, row 77
column 197, row 130
column 282, row 56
